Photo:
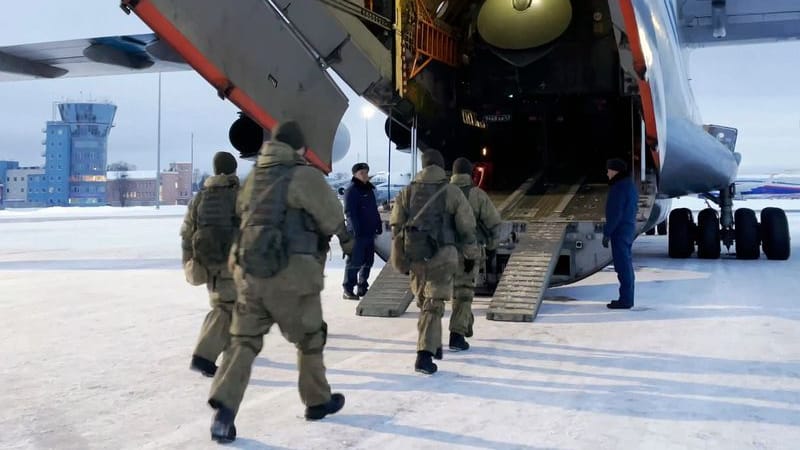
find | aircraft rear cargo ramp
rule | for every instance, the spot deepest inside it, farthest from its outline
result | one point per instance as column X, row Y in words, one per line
column 551, row 236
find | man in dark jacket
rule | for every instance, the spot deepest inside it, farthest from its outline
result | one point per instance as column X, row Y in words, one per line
column 620, row 228
column 363, row 222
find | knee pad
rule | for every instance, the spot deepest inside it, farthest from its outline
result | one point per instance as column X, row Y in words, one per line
column 314, row 343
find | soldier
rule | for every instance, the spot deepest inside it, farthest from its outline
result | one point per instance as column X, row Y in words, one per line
column 209, row 228
column 288, row 216
column 621, row 206
column 430, row 218
column 487, row 220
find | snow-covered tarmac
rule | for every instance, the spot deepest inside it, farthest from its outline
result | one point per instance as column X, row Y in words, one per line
column 98, row 326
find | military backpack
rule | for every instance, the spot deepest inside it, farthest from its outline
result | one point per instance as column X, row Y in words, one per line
column 217, row 226
column 271, row 231
column 430, row 227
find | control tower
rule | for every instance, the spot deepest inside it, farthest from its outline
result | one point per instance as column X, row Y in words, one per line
column 76, row 154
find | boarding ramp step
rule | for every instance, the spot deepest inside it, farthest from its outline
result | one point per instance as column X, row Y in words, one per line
column 389, row 295
column 527, row 274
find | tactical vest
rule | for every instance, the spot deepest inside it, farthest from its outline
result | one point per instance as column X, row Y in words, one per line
column 430, row 228
column 271, row 231
column 217, row 226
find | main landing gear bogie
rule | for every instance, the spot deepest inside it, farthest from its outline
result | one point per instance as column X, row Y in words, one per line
column 749, row 236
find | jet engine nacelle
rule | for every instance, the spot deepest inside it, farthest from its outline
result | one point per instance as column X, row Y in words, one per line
column 246, row 136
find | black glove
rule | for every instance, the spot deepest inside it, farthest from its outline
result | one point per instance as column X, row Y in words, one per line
column 469, row 264
column 605, row 241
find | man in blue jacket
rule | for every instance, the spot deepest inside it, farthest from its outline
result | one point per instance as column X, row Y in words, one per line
column 363, row 222
column 620, row 228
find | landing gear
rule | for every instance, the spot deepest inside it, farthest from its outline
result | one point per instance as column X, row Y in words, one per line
column 727, row 228
column 708, row 234
column 775, row 234
column 661, row 228
column 747, row 234
column 681, row 233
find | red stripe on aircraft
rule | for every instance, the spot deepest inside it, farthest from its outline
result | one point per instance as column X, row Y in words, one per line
column 151, row 16
column 640, row 66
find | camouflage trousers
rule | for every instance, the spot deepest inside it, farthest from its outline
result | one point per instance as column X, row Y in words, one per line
column 462, row 319
column 262, row 303
column 432, row 285
column 214, row 334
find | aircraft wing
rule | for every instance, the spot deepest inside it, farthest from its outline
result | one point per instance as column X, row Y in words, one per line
column 719, row 22
column 111, row 55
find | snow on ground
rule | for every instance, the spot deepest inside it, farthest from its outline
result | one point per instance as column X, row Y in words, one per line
column 99, row 325
column 72, row 213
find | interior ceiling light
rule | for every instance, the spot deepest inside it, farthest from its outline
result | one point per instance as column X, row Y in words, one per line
column 441, row 9
column 521, row 5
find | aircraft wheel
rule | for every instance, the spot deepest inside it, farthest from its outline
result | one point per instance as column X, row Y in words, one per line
column 651, row 231
column 775, row 239
column 747, row 234
column 681, row 233
column 661, row 228
column 708, row 235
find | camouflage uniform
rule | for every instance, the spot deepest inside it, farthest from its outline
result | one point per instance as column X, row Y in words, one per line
column 432, row 281
column 487, row 219
column 216, row 204
column 290, row 298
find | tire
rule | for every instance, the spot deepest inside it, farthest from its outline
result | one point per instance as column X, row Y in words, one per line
column 661, row 228
column 651, row 231
column 681, row 233
column 708, row 235
column 775, row 239
column 747, row 234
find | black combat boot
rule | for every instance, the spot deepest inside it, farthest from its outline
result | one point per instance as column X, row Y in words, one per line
column 424, row 363
column 204, row 366
column 616, row 304
column 318, row 412
column 438, row 354
column 458, row 343
column 349, row 295
column 222, row 428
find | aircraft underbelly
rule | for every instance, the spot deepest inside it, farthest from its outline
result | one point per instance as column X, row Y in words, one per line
column 694, row 161
column 248, row 53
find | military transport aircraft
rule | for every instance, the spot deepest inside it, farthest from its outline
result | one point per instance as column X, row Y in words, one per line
column 538, row 92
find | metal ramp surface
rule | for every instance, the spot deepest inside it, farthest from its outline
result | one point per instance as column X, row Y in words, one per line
column 389, row 295
column 527, row 274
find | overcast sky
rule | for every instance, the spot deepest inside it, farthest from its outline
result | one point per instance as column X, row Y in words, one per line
column 753, row 88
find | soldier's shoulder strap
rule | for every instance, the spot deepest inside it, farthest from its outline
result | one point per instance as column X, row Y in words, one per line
column 466, row 190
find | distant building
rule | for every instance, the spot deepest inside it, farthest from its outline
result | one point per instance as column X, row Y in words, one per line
column 131, row 188
column 4, row 167
column 176, row 184
column 138, row 187
column 18, row 186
